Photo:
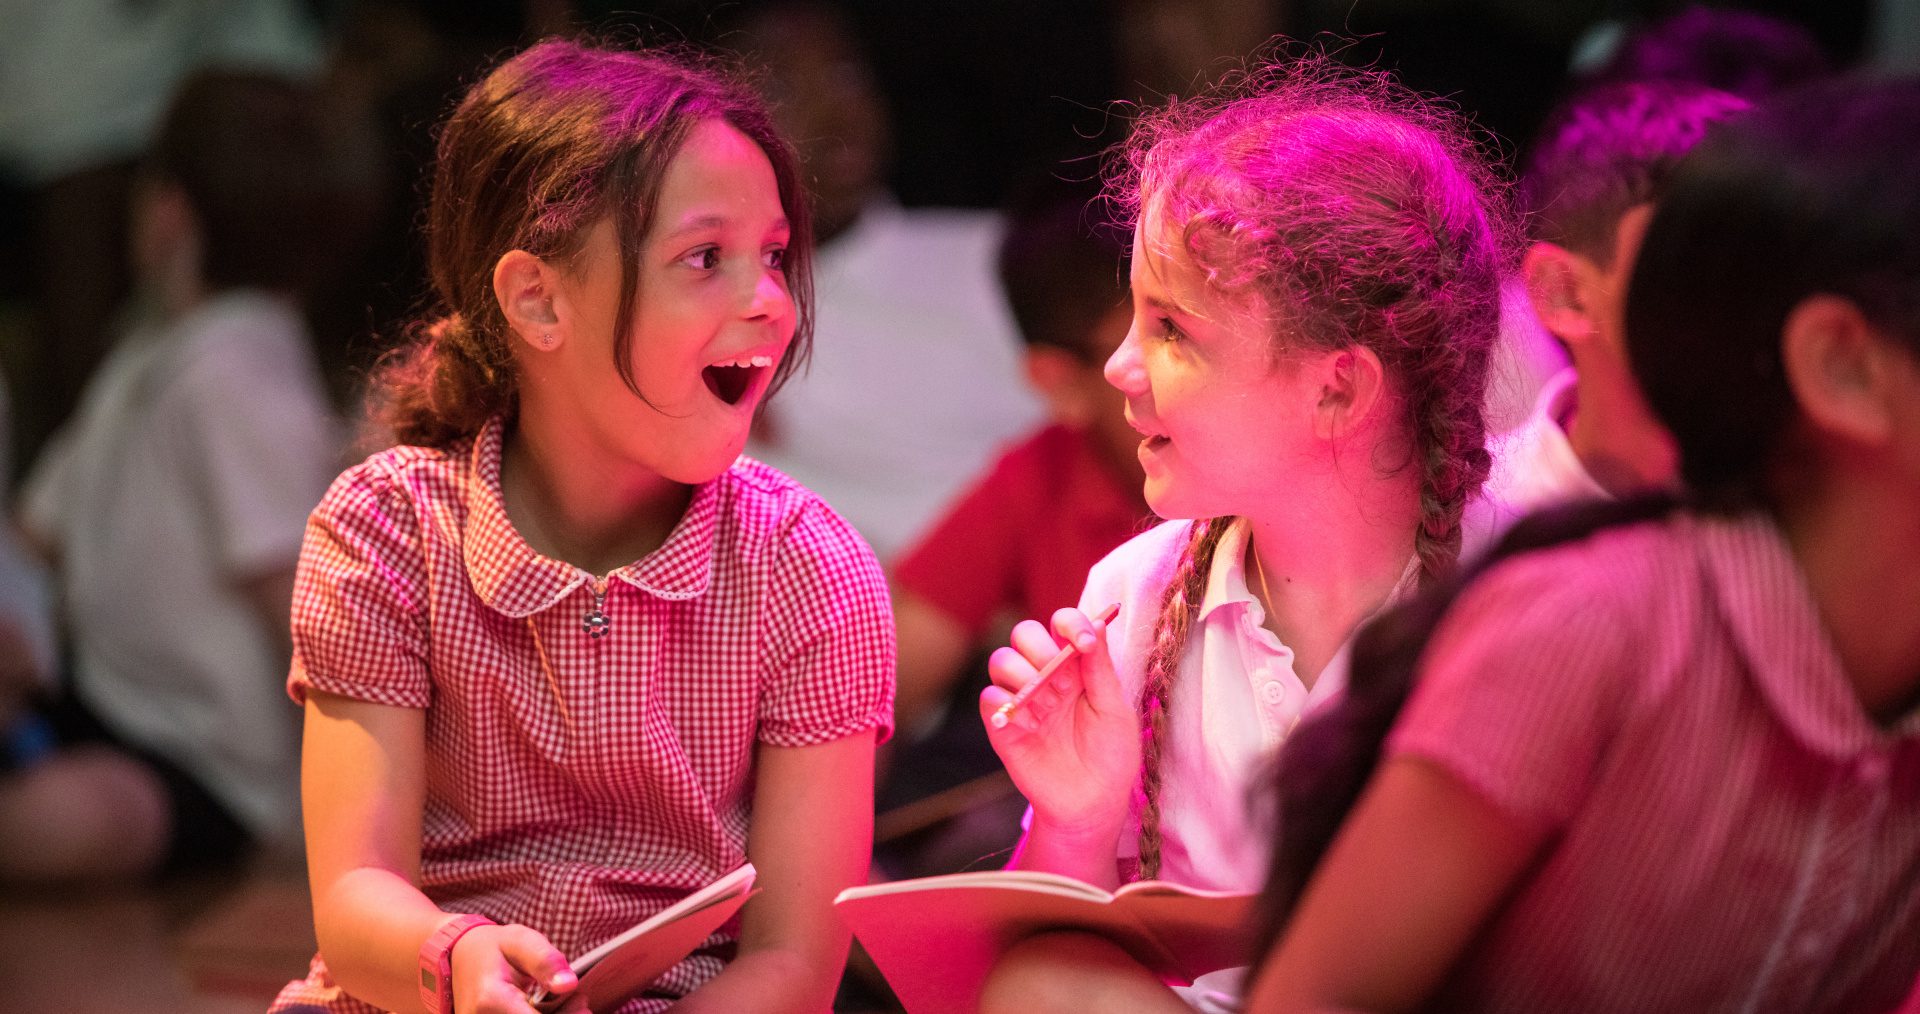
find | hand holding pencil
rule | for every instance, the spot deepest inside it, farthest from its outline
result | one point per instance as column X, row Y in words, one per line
column 1068, row 736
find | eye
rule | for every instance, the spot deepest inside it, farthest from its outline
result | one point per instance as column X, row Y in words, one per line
column 1166, row 330
column 705, row 258
column 776, row 258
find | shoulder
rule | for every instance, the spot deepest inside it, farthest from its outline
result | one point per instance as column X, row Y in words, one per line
column 1612, row 567
column 1626, row 592
column 760, row 505
column 1138, row 570
column 398, row 482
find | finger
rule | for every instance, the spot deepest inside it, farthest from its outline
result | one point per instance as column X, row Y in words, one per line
column 992, row 699
column 1031, row 640
column 533, row 956
column 502, row 998
column 1101, row 683
column 1076, row 628
column 1008, row 669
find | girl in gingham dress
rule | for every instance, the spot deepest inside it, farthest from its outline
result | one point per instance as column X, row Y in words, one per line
column 565, row 656
column 1315, row 277
column 1666, row 756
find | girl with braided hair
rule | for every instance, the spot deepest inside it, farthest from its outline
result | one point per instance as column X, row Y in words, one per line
column 1315, row 268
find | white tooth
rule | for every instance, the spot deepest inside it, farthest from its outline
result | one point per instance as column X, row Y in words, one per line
column 763, row 360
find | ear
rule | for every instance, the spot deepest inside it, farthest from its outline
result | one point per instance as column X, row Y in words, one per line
column 1840, row 370
column 1051, row 371
column 1559, row 284
column 525, row 287
column 1353, row 384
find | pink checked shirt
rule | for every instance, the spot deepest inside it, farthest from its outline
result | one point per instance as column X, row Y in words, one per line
column 1729, row 830
column 762, row 619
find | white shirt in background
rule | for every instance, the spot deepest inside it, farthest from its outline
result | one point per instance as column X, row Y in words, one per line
column 1534, row 466
column 196, row 454
column 917, row 377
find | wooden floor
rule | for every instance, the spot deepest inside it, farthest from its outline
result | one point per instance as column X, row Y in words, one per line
column 171, row 949
column 206, row 946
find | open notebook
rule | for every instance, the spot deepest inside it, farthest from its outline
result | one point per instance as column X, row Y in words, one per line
column 626, row 964
column 936, row 938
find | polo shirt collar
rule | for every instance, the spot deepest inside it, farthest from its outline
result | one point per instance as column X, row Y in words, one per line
column 1227, row 578
column 512, row 578
column 1762, row 596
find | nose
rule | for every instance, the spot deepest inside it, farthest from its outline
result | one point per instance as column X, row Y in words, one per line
column 769, row 299
column 1124, row 369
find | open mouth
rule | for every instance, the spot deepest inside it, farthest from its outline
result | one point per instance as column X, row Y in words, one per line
column 730, row 381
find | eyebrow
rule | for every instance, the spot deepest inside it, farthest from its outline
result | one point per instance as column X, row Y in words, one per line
column 1169, row 307
column 716, row 221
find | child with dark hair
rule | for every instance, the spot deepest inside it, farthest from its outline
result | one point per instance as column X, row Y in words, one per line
column 1665, row 755
column 1588, row 188
column 567, row 656
column 1020, row 541
column 172, row 506
column 1315, row 275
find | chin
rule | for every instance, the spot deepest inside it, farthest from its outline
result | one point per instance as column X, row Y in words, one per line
column 1167, row 502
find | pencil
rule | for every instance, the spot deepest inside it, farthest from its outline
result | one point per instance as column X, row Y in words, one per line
column 1004, row 713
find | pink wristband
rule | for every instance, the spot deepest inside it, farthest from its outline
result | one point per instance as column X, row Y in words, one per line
column 436, row 962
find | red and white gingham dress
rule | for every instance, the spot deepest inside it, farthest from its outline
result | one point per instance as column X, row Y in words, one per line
column 1729, row 830
column 762, row 619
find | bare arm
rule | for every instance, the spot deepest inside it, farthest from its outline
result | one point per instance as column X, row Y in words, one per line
column 363, row 784
column 812, row 833
column 1417, row 869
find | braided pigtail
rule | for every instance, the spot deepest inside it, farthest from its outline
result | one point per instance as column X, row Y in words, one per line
column 1178, row 606
column 1449, row 434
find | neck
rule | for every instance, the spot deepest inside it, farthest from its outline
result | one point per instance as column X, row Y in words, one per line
column 1858, row 543
column 1331, row 557
column 573, row 501
column 1613, row 432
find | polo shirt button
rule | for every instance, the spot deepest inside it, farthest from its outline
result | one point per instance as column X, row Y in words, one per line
column 1273, row 692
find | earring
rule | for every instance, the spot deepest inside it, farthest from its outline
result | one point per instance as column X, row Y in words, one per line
column 546, row 339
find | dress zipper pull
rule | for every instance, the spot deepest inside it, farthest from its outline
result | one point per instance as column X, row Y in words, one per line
column 596, row 622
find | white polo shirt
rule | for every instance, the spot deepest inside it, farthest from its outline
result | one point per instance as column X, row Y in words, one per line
column 1534, row 465
column 1234, row 702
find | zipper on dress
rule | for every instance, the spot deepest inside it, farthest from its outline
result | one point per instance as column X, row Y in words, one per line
column 595, row 623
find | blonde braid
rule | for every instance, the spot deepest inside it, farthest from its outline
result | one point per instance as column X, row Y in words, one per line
column 1178, row 607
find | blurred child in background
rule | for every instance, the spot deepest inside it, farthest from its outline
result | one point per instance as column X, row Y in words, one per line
column 171, row 508
column 1020, row 541
column 1588, row 190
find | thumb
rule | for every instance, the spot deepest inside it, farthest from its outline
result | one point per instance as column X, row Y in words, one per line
column 533, row 956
